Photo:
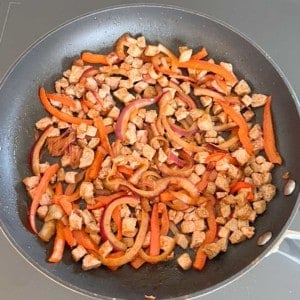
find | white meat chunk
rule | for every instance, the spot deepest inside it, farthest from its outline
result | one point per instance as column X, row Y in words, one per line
column 236, row 237
column 75, row 221
column 248, row 231
column 78, row 253
column 42, row 211
column 76, row 72
column 259, row 206
column 31, row 182
column 55, row 212
column 129, row 227
column 70, row 177
column 241, row 156
column 242, row 88
column 258, row 100
column 182, row 241
column 268, row 191
column 148, row 152
column 212, row 250
column 198, row 238
column 184, row 261
column 205, row 122
column 86, row 158
column 43, row 123
column 187, row 226
column 223, row 232
column 222, row 183
column 223, row 244
column 86, row 190
column 90, row 262
column 106, row 248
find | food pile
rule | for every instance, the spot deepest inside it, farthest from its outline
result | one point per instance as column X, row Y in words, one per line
column 145, row 151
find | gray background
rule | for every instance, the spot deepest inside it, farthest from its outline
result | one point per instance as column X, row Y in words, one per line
column 273, row 24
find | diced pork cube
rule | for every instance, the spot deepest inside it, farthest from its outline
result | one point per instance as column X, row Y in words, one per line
column 78, row 253
column 205, row 122
column 31, row 182
column 75, row 221
column 70, row 177
column 90, row 262
column 86, row 190
column 248, row 231
column 259, row 206
column 184, row 261
column 129, row 227
column 105, row 248
column 43, row 123
column 223, row 244
column 86, row 158
column 268, row 191
column 148, row 152
column 198, row 238
column 212, row 250
column 236, row 237
column 222, row 183
column 42, row 211
column 187, row 226
column 242, row 88
column 241, row 156
column 258, row 100
column 182, row 241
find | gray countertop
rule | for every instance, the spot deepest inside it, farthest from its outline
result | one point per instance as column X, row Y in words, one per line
column 273, row 24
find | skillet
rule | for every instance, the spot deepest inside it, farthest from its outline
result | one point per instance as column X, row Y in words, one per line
column 43, row 63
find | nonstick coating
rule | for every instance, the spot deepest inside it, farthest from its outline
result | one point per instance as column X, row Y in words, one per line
column 20, row 109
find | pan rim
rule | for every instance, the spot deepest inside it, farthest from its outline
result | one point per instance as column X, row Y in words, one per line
column 35, row 43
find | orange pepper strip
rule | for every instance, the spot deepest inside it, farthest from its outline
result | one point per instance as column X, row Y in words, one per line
column 59, row 244
column 59, row 114
column 69, row 238
column 115, row 255
column 166, row 196
column 204, row 65
column 202, row 184
column 66, row 205
column 125, row 170
column 137, row 262
column 154, row 248
column 200, row 54
column 95, row 167
column 165, row 223
column 200, row 258
column 40, row 190
column 240, row 185
column 63, row 99
column 269, row 135
column 215, row 157
column 70, row 198
column 83, row 239
column 93, row 58
column 116, row 216
column 105, row 200
column 243, row 131
column 98, row 122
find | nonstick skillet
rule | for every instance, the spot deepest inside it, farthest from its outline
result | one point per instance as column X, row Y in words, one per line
column 20, row 108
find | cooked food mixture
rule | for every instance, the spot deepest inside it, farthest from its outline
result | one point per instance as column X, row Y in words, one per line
column 150, row 156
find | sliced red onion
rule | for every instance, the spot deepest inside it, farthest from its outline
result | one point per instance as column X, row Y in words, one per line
column 90, row 71
column 184, row 132
column 106, row 231
column 184, row 97
column 121, row 125
column 175, row 159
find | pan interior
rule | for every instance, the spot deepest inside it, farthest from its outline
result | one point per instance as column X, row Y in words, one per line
column 20, row 109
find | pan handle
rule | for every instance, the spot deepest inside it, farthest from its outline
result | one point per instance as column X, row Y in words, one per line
column 291, row 250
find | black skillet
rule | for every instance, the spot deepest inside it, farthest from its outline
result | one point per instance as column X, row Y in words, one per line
column 20, row 108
